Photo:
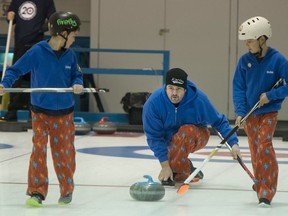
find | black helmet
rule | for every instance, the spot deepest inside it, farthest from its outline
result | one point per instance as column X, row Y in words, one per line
column 63, row 21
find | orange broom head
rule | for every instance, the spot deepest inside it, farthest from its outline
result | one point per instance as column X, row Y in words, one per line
column 182, row 189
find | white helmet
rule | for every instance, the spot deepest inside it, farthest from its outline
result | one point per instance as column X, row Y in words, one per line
column 254, row 28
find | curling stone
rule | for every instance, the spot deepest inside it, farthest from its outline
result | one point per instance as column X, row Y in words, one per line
column 103, row 127
column 81, row 126
column 147, row 191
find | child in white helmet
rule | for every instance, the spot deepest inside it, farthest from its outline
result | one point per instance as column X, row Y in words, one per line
column 256, row 72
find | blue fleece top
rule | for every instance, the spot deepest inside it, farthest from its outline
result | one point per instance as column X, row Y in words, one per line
column 47, row 71
column 252, row 78
column 161, row 119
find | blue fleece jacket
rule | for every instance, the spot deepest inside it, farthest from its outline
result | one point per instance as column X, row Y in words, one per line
column 161, row 119
column 252, row 78
column 47, row 71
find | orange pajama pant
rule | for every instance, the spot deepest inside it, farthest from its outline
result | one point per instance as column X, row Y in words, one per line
column 60, row 130
column 260, row 131
column 188, row 139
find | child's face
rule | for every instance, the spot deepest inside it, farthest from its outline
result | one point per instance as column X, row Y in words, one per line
column 252, row 45
column 70, row 39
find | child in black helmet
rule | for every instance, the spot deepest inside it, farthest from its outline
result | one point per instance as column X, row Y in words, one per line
column 52, row 65
column 30, row 19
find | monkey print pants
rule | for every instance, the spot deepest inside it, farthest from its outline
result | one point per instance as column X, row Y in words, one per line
column 188, row 139
column 61, row 132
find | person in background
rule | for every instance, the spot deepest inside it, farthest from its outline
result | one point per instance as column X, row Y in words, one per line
column 52, row 64
column 256, row 72
column 175, row 122
column 30, row 19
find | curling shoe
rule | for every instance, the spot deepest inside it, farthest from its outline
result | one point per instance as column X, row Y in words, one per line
column 199, row 175
column 264, row 203
column 65, row 200
column 35, row 200
column 168, row 182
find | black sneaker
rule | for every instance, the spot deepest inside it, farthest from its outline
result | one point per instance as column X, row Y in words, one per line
column 168, row 182
column 199, row 175
column 10, row 116
column 264, row 203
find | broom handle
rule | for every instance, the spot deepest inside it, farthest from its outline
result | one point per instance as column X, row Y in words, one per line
column 224, row 140
column 28, row 90
column 7, row 48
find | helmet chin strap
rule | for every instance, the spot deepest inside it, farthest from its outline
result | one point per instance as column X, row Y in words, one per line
column 259, row 53
column 65, row 38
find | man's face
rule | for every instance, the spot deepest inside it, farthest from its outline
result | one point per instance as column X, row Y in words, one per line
column 175, row 93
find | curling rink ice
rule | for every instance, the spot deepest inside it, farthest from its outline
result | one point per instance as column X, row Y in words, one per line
column 107, row 165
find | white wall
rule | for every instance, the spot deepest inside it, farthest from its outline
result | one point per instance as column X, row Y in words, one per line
column 126, row 25
column 201, row 36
